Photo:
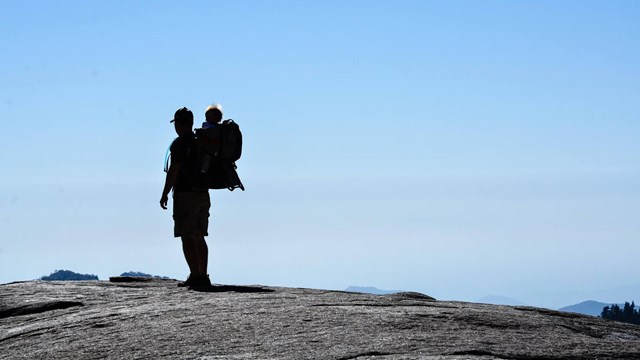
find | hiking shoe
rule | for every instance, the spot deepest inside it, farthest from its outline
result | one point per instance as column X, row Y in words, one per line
column 203, row 283
column 191, row 280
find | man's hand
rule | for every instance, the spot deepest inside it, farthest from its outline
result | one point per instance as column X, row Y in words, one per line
column 163, row 201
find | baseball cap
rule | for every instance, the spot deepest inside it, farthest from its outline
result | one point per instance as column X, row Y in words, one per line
column 183, row 115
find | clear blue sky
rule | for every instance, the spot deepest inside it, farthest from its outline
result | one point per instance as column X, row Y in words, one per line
column 456, row 148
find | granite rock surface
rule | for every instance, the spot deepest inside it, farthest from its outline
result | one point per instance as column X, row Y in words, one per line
column 149, row 319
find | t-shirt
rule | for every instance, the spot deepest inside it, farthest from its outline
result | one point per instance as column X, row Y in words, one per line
column 208, row 125
column 184, row 150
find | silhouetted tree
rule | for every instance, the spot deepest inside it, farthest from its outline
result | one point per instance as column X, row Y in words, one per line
column 628, row 314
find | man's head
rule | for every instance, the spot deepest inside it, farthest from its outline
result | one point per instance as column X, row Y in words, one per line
column 183, row 120
column 213, row 114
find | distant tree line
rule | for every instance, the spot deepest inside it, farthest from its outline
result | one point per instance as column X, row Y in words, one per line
column 141, row 274
column 627, row 314
column 67, row 275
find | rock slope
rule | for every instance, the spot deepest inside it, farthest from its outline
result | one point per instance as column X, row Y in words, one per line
column 150, row 319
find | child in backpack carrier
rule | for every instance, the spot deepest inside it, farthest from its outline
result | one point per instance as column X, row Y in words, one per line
column 209, row 136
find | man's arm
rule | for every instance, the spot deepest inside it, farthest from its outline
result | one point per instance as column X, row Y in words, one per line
column 170, row 181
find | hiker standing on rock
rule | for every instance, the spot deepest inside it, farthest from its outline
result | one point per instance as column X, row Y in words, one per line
column 191, row 203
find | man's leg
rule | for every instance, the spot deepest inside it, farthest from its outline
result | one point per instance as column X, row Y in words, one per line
column 196, row 253
column 194, row 225
column 190, row 250
column 203, row 255
column 201, row 244
column 185, row 221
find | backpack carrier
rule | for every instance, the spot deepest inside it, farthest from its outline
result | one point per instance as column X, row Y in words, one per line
column 219, row 148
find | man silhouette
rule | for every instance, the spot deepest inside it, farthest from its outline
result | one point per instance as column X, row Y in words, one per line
column 191, row 203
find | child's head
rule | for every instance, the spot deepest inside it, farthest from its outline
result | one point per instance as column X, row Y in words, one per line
column 213, row 114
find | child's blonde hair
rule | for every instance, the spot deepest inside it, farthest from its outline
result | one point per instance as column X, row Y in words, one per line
column 213, row 113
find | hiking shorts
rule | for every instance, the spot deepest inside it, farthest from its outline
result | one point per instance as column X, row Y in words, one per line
column 191, row 213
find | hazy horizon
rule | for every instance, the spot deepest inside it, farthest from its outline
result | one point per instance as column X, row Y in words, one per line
column 456, row 148
column 550, row 300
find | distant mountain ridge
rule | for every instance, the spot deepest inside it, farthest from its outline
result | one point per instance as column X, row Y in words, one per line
column 500, row 300
column 589, row 307
column 371, row 290
column 611, row 295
